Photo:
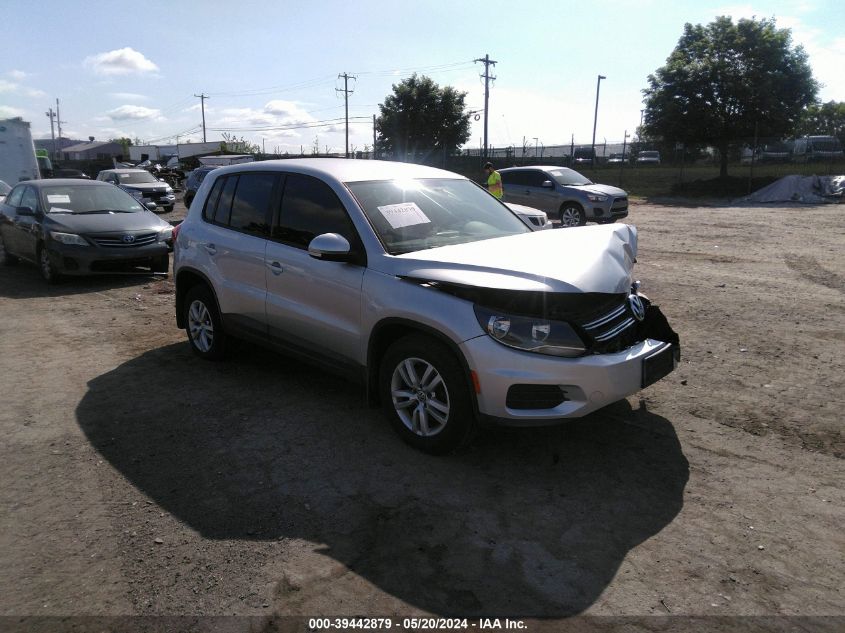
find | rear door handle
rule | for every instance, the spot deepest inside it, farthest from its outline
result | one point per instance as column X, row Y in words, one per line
column 211, row 248
column 275, row 268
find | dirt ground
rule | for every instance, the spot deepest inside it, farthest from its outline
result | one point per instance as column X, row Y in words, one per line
column 140, row 480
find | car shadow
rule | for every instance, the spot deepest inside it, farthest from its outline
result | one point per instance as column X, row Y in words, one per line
column 23, row 281
column 530, row 522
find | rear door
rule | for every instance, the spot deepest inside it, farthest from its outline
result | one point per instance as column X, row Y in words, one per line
column 238, row 212
column 314, row 306
column 27, row 228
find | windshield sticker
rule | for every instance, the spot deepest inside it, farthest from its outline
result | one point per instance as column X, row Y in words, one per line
column 60, row 210
column 404, row 214
column 57, row 198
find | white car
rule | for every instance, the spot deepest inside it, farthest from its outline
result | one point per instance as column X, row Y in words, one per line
column 4, row 190
column 422, row 286
column 534, row 219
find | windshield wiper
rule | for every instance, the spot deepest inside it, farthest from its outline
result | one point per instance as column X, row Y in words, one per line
column 101, row 211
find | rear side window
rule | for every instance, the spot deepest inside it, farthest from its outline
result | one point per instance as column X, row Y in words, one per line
column 251, row 203
column 211, row 201
column 310, row 208
column 224, row 204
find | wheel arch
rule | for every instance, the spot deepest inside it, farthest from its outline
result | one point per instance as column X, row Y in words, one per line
column 391, row 329
column 186, row 279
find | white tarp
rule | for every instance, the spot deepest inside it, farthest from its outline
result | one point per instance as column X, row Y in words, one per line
column 806, row 189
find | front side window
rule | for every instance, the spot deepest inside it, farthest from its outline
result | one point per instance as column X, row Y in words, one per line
column 414, row 215
column 29, row 199
column 14, row 199
column 310, row 208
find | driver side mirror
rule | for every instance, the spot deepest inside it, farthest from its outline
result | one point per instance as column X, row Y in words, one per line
column 330, row 247
column 25, row 212
column 548, row 184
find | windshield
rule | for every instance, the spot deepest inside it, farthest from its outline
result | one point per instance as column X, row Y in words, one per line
column 136, row 177
column 829, row 144
column 88, row 199
column 4, row 188
column 415, row 215
column 649, row 154
column 569, row 177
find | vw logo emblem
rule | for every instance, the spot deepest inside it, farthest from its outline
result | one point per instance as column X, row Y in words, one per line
column 128, row 239
column 637, row 307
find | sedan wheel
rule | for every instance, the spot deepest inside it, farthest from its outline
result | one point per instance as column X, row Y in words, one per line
column 5, row 258
column 426, row 395
column 572, row 215
column 46, row 266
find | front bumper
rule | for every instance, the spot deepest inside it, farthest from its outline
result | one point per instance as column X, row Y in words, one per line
column 70, row 259
column 588, row 382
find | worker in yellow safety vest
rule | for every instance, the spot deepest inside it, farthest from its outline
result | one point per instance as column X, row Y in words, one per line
column 494, row 181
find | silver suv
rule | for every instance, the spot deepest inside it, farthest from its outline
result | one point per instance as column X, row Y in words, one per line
column 421, row 285
column 564, row 194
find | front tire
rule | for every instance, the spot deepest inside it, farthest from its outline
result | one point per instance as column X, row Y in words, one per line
column 571, row 214
column 161, row 264
column 425, row 394
column 45, row 265
column 6, row 258
column 203, row 324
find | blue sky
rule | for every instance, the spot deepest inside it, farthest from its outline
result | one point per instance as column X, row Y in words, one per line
column 131, row 69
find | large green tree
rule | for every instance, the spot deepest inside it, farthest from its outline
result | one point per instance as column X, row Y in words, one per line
column 824, row 118
column 724, row 81
column 421, row 118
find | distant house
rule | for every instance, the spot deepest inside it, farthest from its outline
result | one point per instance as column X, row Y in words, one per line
column 93, row 150
column 60, row 144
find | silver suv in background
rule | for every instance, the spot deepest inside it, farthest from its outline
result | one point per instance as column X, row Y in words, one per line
column 421, row 285
column 143, row 186
column 564, row 194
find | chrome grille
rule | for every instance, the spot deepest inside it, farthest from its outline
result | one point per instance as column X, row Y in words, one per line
column 612, row 331
column 117, row 241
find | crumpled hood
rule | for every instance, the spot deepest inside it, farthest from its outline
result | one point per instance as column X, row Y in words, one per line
column 106, row 222
column 582, row 259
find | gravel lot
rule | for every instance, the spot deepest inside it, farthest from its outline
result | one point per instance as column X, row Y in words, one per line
column 138, row 479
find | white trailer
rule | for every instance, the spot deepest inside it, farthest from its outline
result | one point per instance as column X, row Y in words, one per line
column 17, row 152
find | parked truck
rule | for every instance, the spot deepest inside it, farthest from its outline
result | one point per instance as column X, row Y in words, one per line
column 17, row 152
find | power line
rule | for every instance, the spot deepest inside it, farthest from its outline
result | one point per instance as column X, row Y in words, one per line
column 291, row 126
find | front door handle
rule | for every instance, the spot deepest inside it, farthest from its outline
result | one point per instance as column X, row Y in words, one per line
column 275, row 268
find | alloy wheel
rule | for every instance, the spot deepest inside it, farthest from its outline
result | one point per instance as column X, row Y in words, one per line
column 200, row 326
column 420, row 397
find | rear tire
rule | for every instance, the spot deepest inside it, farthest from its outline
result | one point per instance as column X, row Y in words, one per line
column 203, row 324
column 571, row 214
column 5, row 257
column 425, row 395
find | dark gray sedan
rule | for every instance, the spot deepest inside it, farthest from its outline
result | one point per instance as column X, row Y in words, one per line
column 79, row 227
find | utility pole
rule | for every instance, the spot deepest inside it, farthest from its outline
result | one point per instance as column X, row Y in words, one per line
column 487, row 63
column 596, row 119
column 346, row 92
column 52, row 116
column 374, row 137
column 59, row 122
column 202, row 97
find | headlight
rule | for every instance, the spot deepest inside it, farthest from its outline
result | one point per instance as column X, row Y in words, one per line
column 168, row 189
column 554, row 338
column 165, row 234
column 594, row 197
column 68, row 238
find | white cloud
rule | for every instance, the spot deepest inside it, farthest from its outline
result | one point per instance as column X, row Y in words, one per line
column 134, row 113
column 128, row 96
column 288, row 111
column 17, row 75
column 122, row 61
column 11, row 87
column 8, row 112
column 8, row 86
